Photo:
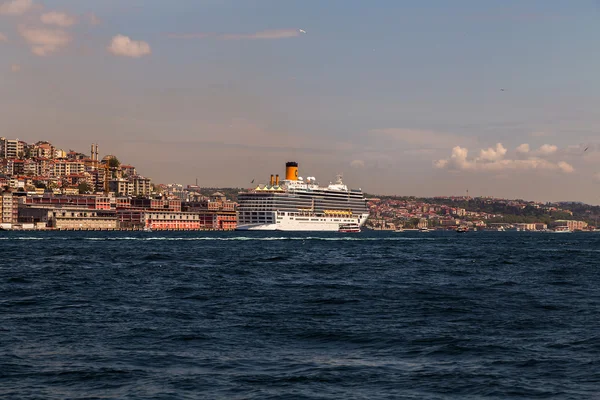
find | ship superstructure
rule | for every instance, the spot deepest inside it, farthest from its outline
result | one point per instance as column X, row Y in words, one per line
column 297, row 204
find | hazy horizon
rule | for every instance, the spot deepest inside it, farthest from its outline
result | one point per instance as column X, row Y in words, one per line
column 402, row 97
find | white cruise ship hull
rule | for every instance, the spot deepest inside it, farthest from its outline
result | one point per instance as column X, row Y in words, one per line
column 305, row 224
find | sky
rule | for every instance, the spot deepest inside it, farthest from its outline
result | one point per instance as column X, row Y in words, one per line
column 424, row 98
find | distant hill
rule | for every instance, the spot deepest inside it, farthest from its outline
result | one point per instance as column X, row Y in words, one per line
column 513, row 211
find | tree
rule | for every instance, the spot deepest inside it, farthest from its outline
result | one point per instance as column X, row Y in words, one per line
column 412, row 223
column 84, row 188
column 114, row 163
column 155, row 188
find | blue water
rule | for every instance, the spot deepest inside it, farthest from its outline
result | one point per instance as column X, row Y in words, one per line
column 308, row 316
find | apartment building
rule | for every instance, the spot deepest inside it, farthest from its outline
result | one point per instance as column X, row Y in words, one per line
column 42, row 150
column 59, row 168
column 68, row 218
column 572, row 225
column 525, row 226
column 88, row 202
column 11, row 148
column 128, row 170
column 141, row 186
column 121, row 187
column 9, row 208
column 157, row 204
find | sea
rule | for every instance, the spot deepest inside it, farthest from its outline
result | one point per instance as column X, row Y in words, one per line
column 271, row 315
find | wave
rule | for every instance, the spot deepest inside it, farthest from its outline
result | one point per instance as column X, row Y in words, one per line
column 23, row 238
column 225, row 239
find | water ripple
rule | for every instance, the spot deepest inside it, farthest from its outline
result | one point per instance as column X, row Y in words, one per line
column 311, row 316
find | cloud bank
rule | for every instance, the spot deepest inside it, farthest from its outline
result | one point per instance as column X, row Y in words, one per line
column 494, row 159
column 125, row 47
column 44, row 41
column 523, row 148
column 15, row 7
column 3, row 37
column 58, row 18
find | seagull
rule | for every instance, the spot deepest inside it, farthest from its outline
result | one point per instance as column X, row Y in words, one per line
column 301, row 31
column 502, row 90
column 584, row 150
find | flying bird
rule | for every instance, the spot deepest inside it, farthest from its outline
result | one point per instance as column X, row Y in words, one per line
column 301, row 31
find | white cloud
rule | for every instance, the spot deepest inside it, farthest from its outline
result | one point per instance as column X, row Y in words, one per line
column 45, row 41
column 492, row 154
column 546, row 150
column 458, row 159
column 15, row 68
column 493, row 160
column 3, row 37
column 124, row 46
column 15, row 7
column 262, row 35
column 565, row 167
column 58, row 18
column 357, row 164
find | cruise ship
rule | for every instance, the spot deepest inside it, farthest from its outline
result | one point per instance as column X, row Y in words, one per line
column 297, row 204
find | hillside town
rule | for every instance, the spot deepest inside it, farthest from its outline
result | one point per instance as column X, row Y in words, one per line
column 394, row 213
column 45, row 187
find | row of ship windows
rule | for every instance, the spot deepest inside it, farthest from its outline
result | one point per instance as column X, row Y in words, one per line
column 291, row 199
column 260, row 213
column 162, row 216
column 282, row 208
column 303, row 195
column 256, row 213
column 303, row 204
column 321, row 219
column 302, row 200
column 268, row 219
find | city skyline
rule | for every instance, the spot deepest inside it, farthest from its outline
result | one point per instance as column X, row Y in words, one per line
column 403, row 97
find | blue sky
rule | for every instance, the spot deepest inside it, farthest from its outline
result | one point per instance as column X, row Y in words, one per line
column 391, row 93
